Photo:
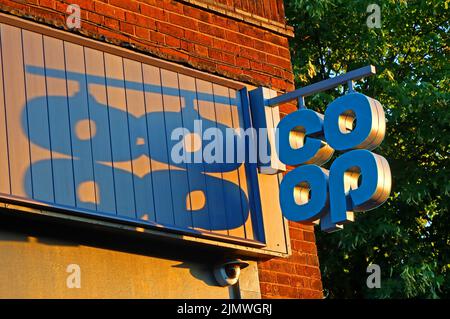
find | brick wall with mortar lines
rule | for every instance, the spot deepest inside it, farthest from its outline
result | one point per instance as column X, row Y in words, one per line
column 270, row 9
column 231, row 38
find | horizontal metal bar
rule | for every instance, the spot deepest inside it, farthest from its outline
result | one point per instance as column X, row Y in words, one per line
column 323, row 85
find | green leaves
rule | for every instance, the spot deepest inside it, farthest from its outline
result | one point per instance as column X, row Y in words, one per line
column 411, row 231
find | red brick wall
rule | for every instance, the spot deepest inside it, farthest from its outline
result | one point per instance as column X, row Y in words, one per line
column 270, row 9
column 244, row 40
column 297, row 276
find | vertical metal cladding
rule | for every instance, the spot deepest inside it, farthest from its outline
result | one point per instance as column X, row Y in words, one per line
column 86, row 129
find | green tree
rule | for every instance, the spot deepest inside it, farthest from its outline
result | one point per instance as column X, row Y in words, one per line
column 409, row 236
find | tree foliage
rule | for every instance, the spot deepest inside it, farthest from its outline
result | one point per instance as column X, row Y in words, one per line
column 409, row 236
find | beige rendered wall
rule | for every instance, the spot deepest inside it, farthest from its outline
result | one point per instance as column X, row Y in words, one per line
column 36, row 267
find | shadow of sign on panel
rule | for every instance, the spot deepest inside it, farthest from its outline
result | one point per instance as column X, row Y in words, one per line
column 119, row 163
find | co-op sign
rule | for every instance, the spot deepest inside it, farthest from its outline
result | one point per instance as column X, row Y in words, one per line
column 353, row 124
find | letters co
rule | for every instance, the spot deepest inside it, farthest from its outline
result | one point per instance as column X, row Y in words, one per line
column 352, row 126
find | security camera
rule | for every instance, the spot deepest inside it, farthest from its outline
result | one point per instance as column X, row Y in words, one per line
column 227, row 274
